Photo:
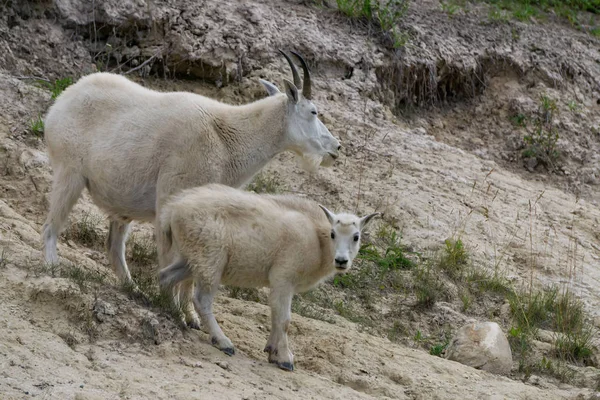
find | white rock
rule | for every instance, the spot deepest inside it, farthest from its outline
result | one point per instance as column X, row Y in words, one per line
column 481, row 345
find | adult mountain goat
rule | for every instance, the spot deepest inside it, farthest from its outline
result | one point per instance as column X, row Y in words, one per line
column 225, row 235
column 133, row 148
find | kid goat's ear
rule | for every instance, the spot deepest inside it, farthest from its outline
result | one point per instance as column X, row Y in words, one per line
column 365, row 220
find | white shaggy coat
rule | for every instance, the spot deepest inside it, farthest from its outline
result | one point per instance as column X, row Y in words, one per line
column 287, row 243
column 133, row 147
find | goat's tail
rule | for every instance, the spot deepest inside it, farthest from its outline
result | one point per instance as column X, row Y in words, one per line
column 175, row 273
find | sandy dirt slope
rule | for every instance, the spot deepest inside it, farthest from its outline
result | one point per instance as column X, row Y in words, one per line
column 434, row 173
column 45, row 351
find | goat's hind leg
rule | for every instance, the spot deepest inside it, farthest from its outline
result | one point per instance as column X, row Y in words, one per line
column 66, row 188
column 203, row 299
column 207, row 277
column 115, row 245
column 185, row 297
column 172, row 276
column 182, row 292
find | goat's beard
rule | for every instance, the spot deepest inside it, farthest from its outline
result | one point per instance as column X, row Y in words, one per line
column 309, row 162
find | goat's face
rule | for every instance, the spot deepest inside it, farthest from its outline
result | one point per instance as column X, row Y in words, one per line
column 308, row 136
column 346, row 230
column 305, row 134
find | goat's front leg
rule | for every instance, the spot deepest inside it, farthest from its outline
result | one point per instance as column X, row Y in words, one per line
column 281, row 316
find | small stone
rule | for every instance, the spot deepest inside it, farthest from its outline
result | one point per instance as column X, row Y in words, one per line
column 481, row 345
column 223, row 364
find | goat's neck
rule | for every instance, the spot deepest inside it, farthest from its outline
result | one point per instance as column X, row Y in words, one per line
column 254, row 136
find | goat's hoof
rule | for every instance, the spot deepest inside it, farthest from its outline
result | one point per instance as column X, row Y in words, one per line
column 193, row 325
column 272, row 354
column 287, row 366
column 268, row 349
column 229, row 351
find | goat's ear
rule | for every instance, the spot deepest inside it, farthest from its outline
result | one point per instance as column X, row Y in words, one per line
column 292, row 91
column 330, row 215
column 271, row 89
column 366, row 219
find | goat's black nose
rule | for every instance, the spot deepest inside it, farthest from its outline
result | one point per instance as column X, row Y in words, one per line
column 341, row 261
column 339, row 147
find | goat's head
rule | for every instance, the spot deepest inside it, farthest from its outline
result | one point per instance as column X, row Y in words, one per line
column 305, row 134
column 346, row 231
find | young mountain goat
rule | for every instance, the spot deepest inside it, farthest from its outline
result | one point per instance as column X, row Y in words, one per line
column 132, row 148
column 225, row 235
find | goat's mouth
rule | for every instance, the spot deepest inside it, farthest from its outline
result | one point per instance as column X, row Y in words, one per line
column 328, row 159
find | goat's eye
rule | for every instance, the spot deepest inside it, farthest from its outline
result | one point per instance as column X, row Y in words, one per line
column 356, row 237
column 314, row 112
column 332, row 234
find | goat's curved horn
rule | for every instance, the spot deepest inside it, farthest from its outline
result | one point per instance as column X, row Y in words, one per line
column 306, row 91
column 297, row 80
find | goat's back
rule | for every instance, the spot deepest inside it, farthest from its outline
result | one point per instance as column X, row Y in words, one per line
column 253, row 232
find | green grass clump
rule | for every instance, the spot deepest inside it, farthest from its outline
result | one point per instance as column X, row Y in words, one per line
column 86, row 231
column 454, row 258
column 524, row 10
column 541, row 142
column 428, row 286
column 389, row 254
column 142, row 250
column 559, row 311
column 57, row 86
column 36, row 126
column 438, row 349
column 382, row 14
column 263, row 183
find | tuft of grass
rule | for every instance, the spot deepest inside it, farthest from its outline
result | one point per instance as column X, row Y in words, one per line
column 146, row 289
column 541, row 142
column 451, row 7
column 487, row 281
column 496, row 14
column 454, row 258
column 438, row 349
column 263, row 183
column 567, row 9
column 574, row 106
column 524, row 12
column 36, row 126
column 381, row 14
column 142, row 250
column 466, row 299
column 86, row 231
column 392, row 255
column 428, row 286
column 58, row 86
column 82, row 276
column 575, row 346
column 553, row 309
column 148, row 293
column 519, row 120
